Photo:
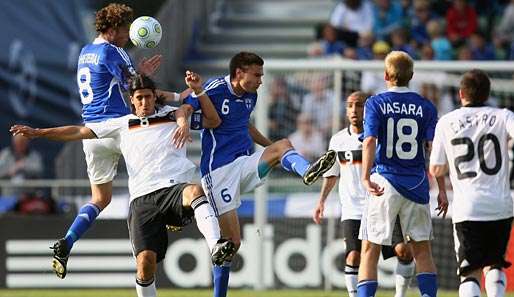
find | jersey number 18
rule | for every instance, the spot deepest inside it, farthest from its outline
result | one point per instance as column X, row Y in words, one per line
column 403, row 138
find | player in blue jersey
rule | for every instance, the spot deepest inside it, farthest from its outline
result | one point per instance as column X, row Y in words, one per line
column 229, row 164
column 103, row 73
column 399, row 127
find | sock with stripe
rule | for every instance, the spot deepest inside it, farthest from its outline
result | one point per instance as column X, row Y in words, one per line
column 220, row 278
column 427, row 284
column 292, row 161
column 404, row 273
column 83, row 221
column 470, row 287
column 146, row 288
column 495, row 283
column 350, row 277
column 367, row 288
column 206, row 221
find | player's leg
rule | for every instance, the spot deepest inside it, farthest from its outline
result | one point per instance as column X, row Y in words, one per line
column 368, row 283
column 405, row 269
column 229, row 224
column 353, row 255
column 102, row 157
column 221, row 249
column 425, row 267
column 283, row 152
column 496, row 246
column 146, row 267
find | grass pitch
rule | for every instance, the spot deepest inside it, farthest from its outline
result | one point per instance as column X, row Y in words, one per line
column 199, row 293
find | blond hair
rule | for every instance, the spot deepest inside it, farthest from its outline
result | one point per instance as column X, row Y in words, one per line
column 399, row 68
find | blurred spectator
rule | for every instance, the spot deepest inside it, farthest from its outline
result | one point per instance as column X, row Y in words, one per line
column 353, row 18
column 19, row 161
column 480, row 48
column 373, row 81
column 399, row 40
column 35, row 204
column 432, row 92
column 461, row 22
column 441, row 46
column 427, row 53
column 319, row 103
column 307, row 140
column 282, row 110
column 422, row 15
column 464, row 53
column 328, row 44
column 387, row 16
column 504, row 32
column 364, row 51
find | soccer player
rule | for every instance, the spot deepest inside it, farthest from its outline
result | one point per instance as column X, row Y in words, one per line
column 398, row 126
column 102, row 73
column 159, row 177
column 229, row 164
column 353, row 195
column 472, row 143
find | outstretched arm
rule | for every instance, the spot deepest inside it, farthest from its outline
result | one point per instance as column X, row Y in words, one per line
column 258, row 137
column 65, row 133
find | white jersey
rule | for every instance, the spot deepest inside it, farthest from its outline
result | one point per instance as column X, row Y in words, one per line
column 473, row 140
column 153, row 162
column 352, row 193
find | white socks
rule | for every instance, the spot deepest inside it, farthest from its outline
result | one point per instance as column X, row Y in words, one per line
column 206, row 221
column 350, row 276
column 404, row 273
column 495, row 283
column 145, row 288
column 470, row 287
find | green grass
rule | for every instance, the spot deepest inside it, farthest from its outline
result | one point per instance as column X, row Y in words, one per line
column 199, row 293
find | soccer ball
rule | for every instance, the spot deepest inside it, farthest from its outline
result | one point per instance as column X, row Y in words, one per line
column 145, row 32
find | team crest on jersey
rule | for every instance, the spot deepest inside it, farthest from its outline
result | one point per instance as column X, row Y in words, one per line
column 248, row 103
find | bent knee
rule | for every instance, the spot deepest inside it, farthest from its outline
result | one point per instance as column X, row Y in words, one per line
column 403, row 253
column 190, row 193
column 146, row 265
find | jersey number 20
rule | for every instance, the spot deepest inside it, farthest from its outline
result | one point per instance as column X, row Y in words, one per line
column 470, row 154
column 84, row 83
column 403, row 138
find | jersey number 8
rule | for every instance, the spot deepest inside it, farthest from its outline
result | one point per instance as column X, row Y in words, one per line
column 403, row 138
column 84, row 83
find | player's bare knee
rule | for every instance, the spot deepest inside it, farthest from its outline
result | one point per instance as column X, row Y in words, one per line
column 283, row 146
column 353, row 258
column 190, row 193
column 102, row 201
column 146, row 265
column 403, row 252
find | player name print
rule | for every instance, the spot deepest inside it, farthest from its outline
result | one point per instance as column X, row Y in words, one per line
column 401, row 108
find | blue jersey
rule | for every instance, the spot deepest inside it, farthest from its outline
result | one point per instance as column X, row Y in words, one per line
column 102, row 72
column 403, row 122
column 231, row 139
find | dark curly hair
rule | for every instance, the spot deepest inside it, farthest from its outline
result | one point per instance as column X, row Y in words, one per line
column 141, row 81
column 113, row 16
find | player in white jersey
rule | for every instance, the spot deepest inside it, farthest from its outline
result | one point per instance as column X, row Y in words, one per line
column 471, row 142
column 353, row 195
column 160, row 175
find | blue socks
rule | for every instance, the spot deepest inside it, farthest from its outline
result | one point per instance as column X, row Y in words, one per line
column 367, row 288
column 220, row 279
column 292, row 161
column 427, row 284
column 87, row 215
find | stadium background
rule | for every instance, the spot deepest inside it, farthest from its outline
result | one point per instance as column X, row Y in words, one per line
column 40, row 45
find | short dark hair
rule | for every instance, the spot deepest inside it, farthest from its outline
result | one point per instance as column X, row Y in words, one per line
column 113, row 16
column 140, row 81
column 475, row 86
column 243, row 60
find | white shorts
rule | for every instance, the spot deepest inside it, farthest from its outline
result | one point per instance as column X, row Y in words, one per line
column 102, row 157
column 224, row 185
column 380, row 214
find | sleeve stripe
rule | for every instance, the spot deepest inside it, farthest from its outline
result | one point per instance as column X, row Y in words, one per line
column 214, row 84
column 123, row 55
